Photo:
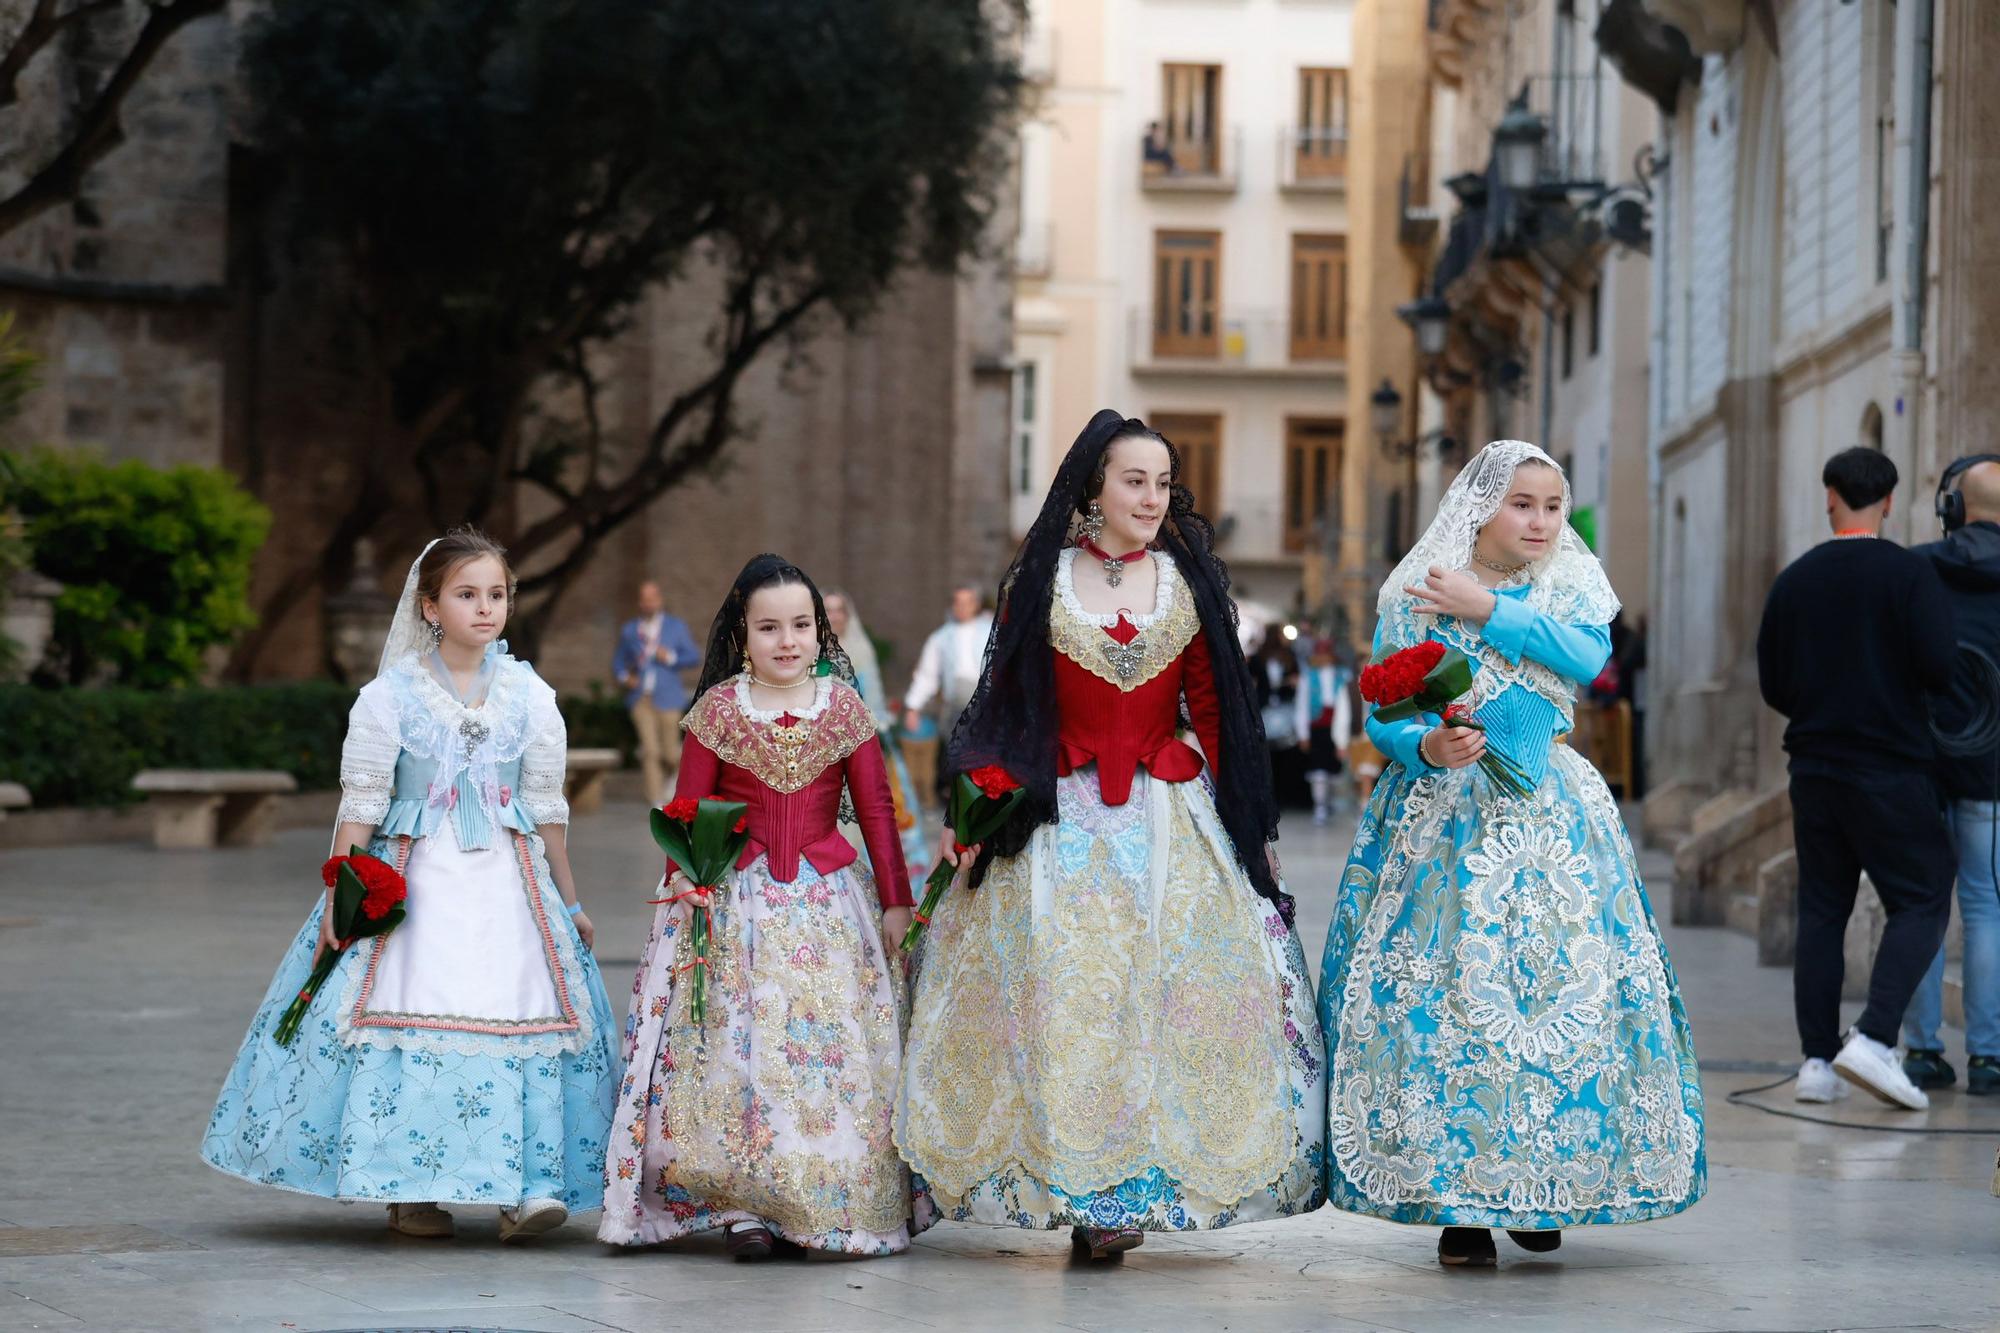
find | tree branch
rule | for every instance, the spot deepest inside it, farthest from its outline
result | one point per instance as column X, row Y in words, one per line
column 44, row 26
column 98, row 130
column 603, row 507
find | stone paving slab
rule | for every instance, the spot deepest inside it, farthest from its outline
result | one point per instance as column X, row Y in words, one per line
column 127, row 976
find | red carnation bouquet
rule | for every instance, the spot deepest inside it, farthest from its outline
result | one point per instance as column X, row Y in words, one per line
column 368, row 896
column 982, row 802
column 1430, row 678
column 703, row 839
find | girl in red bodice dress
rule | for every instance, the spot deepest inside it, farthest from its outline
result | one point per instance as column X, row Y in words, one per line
column 772, row 1119
column 1113, row 1028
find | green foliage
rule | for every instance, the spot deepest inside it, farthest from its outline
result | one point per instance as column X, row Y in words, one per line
column 599, row 721
column 155, row 562
column 83, row 747
column 20, row 369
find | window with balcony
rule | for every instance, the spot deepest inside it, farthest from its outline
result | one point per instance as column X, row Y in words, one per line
column 1187, row 288
column 1319, row 139
column 1319, row 298
column 1023, row 449
column 1312, row 471
column 1197, row 438
column 1187, row 138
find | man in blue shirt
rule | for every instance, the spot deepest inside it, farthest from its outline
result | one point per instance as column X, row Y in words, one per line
column 653, row 649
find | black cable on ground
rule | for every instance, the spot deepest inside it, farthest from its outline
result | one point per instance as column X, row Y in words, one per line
column 1741, row 1097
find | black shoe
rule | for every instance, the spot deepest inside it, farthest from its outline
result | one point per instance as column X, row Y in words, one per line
column 1537, row 1242
column 1466, row 1247
column 749, row 1243
column 1928, row 1069
column 1982, row 1075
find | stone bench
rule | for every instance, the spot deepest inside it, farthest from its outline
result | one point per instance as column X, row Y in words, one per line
column 206, row 807
column 13, row 796
column 583, row 779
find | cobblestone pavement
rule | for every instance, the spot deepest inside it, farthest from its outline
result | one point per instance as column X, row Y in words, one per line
column 127, row 977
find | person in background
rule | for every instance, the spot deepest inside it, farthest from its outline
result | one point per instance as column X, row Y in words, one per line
column 1856, row 631
column 653, row 647
column 1324, row 723
column 1968, row 562
column 947, row 674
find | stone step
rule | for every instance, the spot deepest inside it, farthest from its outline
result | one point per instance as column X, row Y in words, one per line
column 1741, row 912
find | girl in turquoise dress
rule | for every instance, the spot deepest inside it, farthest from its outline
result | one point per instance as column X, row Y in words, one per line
column 1506, row 1044
column 464, row 1057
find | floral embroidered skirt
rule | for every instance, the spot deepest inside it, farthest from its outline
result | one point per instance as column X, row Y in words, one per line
column 461, row 1105
column 1115, row 1030
column 777, row 1109
column 1506, row 1043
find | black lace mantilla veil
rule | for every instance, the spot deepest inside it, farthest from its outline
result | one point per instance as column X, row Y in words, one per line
column 1011, row 720
column 727, row 635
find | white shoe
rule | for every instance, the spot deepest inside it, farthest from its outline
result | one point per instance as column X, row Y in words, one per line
column 1873, row 1067
column 1818, row 1083
column 420, row 1219
column 531, row 1219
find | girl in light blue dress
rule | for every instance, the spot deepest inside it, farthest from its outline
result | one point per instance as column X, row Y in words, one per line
column 1506, row 1044
column 465, row 1057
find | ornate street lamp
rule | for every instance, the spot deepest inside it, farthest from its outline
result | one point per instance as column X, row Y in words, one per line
column 1517, row 145
column 1430, row 316
column 1385, row 413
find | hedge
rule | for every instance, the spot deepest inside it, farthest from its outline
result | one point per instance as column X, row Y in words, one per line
column 83, row 746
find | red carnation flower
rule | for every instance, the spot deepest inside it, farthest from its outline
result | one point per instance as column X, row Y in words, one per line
column 994, row 780
column 742, row 824
column 330, row 872
column 683, row 810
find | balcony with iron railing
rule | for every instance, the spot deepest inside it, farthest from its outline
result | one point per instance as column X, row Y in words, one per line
column 1200, row 163
column 1312, row 161
column 1172, row 339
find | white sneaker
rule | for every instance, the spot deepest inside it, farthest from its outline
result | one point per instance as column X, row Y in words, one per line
column 1873, row 1067
column 532, row 1218
column 420, row 1219
column 1818, row 1083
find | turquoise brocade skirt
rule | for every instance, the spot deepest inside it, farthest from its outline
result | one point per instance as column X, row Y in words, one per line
column 1506, row 1043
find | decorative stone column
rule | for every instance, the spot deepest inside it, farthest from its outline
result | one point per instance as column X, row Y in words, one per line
column 29, row 619
column 358, row 617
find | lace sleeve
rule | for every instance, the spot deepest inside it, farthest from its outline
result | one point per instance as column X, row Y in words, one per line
column 367, row 767
column 542, row 765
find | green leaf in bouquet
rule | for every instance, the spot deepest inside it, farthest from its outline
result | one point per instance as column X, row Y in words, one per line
column 1399, row 710
column 996, row 816
column 348, row 891
column 713, row 826
column 671, row 837
column 1450, row 678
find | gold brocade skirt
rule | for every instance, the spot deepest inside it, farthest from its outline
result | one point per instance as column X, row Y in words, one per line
column 1115, row 1029
column 778, row 1108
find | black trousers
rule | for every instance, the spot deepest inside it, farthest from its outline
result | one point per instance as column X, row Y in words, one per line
column 1889, row 825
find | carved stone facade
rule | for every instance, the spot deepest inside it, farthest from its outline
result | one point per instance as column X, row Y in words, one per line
column 179, row 326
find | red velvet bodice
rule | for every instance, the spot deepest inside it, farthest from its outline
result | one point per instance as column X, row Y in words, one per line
column 804, row 822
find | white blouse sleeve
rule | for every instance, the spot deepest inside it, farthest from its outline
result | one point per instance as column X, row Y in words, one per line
column 367, row 767
column 542, row 766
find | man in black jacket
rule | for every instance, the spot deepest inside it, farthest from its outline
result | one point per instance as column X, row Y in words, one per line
column 1856, row 632
column 1968, row 561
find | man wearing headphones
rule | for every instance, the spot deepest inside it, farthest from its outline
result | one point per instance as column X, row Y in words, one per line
column 1968, row 561
column 1856, row 633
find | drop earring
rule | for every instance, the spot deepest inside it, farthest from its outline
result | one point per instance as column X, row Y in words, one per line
column 1093, row 522
column 433, row 635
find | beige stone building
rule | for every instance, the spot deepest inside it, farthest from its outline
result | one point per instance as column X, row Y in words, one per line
column 1533, row 319
column 1185, row 255
column 177, row 329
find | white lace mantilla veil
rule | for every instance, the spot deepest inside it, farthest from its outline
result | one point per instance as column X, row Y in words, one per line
column 406, row 631
column 406, row 636
column 860, row 650
column 1567, row 584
